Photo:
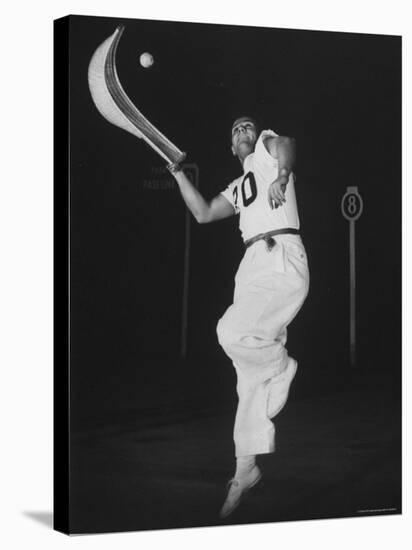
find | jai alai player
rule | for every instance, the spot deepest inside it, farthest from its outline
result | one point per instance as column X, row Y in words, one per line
column 271, row 285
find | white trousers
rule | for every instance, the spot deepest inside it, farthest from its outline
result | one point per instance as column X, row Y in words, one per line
column 270, row 288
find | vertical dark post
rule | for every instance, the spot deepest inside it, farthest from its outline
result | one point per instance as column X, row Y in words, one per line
column 192, row 173
column 352, row 206
column 352, row 269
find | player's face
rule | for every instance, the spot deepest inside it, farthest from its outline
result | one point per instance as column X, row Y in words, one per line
column 244, row 136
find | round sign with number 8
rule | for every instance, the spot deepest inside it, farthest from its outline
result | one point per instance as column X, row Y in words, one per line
column 352, row 204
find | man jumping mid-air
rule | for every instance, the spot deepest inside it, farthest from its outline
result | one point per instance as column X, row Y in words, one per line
column 271, row 285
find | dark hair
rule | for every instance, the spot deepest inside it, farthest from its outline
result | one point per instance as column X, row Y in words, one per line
column 244, row 119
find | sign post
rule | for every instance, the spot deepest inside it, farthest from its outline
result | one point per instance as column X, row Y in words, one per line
column 192, row 173
column 352, row 207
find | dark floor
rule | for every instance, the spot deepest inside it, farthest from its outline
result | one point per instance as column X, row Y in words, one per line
column 338, row 454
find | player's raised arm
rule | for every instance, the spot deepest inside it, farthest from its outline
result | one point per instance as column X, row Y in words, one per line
column 204, row 211
column 283, row 149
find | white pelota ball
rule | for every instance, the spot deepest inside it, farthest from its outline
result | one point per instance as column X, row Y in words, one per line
column 146, row 60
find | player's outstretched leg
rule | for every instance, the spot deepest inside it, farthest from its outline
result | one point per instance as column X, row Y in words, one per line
column 253, row 333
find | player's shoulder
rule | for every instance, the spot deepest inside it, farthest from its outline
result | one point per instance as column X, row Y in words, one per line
column 265, row 139
column 265, row 134
column 263, row 147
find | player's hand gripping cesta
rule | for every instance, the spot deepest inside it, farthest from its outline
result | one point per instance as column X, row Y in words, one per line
column 174, row 167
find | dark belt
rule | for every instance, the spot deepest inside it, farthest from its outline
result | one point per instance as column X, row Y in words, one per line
column 268, row 237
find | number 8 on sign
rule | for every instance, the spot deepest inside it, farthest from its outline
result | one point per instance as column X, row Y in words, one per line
column 352, row 204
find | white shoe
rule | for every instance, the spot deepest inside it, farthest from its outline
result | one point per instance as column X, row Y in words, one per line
column 279, row 388
column 237, row 488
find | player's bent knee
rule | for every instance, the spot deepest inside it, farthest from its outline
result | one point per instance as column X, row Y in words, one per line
column 226, row 334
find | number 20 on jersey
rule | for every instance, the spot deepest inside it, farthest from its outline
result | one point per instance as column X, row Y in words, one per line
column 248, row 190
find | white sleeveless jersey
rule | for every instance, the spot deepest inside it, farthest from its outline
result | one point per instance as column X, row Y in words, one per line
column 249, row 194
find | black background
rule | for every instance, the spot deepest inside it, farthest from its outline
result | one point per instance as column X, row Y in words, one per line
column 339, row 95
